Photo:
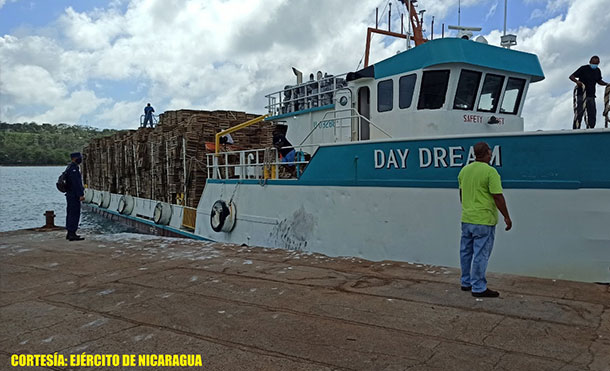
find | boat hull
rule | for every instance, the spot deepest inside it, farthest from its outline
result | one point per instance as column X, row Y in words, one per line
column 360, row 200
column 567, row 239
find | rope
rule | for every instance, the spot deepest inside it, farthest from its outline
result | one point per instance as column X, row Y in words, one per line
column 267, row 159
column 234, row 191
column 579, row 107
column 607, row 105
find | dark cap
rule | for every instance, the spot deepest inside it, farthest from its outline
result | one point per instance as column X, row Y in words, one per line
column 75, row 155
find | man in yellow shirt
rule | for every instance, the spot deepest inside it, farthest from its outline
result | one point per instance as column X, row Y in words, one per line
column 481, row 198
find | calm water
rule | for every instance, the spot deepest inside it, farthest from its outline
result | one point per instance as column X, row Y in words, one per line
column 27, row 192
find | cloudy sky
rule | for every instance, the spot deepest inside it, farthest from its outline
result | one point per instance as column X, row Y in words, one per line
column 97, row 62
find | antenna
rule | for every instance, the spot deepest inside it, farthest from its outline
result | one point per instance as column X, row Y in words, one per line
column 459, row 11
column 409, row 25
column 507, row 40
column 390, row 18
column 505, row 2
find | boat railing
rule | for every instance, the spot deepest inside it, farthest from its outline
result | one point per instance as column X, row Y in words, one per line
column 341, row 120
column 155, row 120
column 310, row 94
column 607, row 105
column 260, row 164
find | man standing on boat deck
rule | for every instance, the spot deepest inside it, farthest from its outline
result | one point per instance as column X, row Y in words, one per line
column 481, row 198
column 74, row 195
column 588, row 75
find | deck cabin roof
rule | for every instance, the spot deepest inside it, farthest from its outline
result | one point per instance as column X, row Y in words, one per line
column 454, row 50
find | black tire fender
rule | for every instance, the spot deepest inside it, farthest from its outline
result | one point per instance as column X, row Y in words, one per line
column 222, row 216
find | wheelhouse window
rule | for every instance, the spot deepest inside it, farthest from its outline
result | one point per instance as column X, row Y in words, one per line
column 512, row 96
column 490, row 93
column 467, row 89
column 433, row 89
column 406, row 86
column 385, row 96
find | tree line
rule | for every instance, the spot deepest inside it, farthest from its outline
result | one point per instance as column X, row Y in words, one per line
column 44, row 144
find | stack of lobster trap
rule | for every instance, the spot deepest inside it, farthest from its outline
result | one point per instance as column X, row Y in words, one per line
column 167, row 163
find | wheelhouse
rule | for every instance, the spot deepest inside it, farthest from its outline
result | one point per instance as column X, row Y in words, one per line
column 443, row 87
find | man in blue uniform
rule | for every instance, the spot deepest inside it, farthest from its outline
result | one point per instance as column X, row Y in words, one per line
column 74, row 195
column 148, row 115
column 588, row 76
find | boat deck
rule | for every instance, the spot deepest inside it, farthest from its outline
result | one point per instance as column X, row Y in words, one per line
column 246, row 308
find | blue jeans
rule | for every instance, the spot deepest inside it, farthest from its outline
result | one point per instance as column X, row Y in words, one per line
column 148, row 119
column 475, row 248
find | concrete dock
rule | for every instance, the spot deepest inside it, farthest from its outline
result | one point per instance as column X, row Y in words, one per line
column 243, row 308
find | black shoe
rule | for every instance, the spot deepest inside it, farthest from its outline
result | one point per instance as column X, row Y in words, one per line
column 75, row 237
column 466, row 288
column 486, row 294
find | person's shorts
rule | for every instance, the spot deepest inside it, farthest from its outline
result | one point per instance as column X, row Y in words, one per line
column 289, row 156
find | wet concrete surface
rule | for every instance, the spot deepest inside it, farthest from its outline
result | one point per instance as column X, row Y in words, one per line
column 244, row 308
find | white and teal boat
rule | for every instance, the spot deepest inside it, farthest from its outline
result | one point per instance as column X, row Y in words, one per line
column 378, row 152
column 381, row 182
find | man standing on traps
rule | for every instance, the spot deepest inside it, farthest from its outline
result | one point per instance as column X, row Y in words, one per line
column 481, row 197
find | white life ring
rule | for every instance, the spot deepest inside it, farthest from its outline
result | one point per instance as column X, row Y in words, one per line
column 105, row 199
column 163, row 213
column 89, row 193
column 222, row 216
column 126, row 204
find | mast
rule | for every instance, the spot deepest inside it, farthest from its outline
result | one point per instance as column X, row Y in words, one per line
column 409, row 26
column 414, row 24
column 504, row 18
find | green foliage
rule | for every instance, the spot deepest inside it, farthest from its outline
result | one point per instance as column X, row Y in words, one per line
column 46, row 144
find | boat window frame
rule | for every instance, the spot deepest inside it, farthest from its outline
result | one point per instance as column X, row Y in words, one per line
column 519, row 99
column 475, row 91
column 500, row 92
column 390, row 102
column 411, row 75
column 421, row 88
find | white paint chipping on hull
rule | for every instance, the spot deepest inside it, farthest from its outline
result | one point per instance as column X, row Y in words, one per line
column 560, row 234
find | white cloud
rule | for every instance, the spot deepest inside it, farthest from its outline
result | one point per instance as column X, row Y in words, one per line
column 552, row 8
column 2, row 2
column 89, row 33
column 27, row 84
column 121, row 115
column 69, row 109
column 492, row 11
column 441, row 9
column 563, row 44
